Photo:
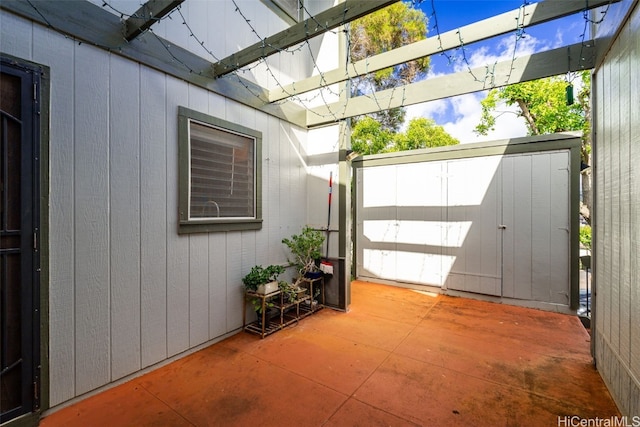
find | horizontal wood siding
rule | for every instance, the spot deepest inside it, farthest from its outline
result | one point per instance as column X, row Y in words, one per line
column 617, row 218
column 126, row 291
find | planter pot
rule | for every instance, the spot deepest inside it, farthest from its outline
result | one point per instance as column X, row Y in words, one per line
column 267, row 288
column 313, row 274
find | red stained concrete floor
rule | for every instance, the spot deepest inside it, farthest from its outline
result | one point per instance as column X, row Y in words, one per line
column 398, row 358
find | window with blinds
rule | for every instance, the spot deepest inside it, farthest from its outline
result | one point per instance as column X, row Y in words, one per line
column 219, row 173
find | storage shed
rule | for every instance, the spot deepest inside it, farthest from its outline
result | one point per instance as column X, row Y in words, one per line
column 491, row 218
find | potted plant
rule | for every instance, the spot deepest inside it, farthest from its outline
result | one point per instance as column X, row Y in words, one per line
column 263, row 280
column 306, row 250
column 291, row 292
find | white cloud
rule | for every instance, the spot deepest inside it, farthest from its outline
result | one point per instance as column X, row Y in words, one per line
column 460, row 115
column 468, row 112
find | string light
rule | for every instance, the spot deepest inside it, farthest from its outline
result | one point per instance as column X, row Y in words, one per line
column 325, row 89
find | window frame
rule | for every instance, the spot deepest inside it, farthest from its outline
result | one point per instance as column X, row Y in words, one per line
column 205, row 225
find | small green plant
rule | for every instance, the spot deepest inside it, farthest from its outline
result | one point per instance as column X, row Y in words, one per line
column 585, row 236
column 290, row 291
column 260, row 275
column 305, row 248
column 256, row 303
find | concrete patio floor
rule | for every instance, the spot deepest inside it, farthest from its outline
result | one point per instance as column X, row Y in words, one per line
column 398, row 358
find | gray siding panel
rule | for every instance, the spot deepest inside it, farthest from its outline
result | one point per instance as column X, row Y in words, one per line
column 177, row 246
column 56, row 51
column 634, row 210
column 198, row 289
column 625, row 199
column 218, row 285
column 124, row 221
column 92, row 296
column 153, row 217
column 235, row 272
column 616, row 268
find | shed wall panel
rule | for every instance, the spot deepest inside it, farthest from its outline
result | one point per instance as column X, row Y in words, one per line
column 124, row 221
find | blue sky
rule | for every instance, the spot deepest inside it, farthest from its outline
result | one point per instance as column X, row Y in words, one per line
column 461, row 114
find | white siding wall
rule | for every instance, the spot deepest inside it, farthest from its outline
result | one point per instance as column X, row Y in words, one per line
column 617, row 217
column 126, row 291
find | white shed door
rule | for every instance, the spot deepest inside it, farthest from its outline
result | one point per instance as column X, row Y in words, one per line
column 473, row 218
column 536, row 214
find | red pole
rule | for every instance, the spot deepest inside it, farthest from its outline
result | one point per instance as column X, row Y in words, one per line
column 329, row 214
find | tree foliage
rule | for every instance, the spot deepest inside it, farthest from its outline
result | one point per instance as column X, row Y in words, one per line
column 369, row 137
column 542, row 104
column 544, row 107
column 389, row 28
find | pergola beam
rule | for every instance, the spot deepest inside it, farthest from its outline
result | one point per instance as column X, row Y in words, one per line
column 298, row 33
column 576, row 57
column 148, row 14
column 528, row 15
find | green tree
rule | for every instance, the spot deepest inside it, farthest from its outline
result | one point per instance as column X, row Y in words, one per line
column 368, row 136
column 423, row 133
column 543, row 105
column 394, row 26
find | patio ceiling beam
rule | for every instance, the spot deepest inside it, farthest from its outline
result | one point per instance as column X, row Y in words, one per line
column 531, row 14
column 148, row 14
column 577, row 57
column 314, row 26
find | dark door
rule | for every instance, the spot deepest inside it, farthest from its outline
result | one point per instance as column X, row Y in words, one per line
column 19, row 227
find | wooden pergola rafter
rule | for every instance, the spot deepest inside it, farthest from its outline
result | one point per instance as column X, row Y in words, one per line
column 147, row 15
